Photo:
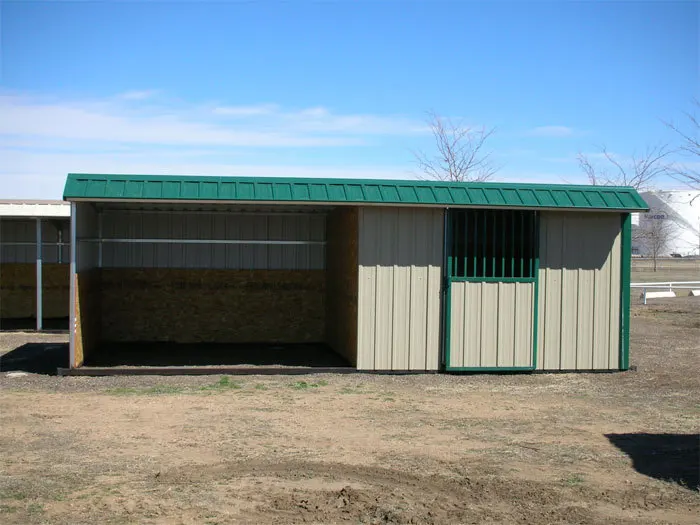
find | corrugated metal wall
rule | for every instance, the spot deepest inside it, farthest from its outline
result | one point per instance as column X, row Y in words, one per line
column 184, row 225
column 85, row 228
column 579, row 291
column 21, row 230
column 400, row 272
column 491, row 324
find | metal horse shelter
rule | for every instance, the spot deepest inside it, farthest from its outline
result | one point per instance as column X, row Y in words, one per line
column 391, row 275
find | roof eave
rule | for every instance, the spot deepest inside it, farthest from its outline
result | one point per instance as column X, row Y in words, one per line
column 351, row 203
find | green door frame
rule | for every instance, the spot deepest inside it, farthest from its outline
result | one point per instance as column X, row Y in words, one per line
column 447, row 319
column 625, row 291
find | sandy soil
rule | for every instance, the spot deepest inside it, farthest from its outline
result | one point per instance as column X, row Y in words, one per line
column 535, row 449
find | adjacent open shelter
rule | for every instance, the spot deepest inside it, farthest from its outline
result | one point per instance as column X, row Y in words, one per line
column 34, row 264
column 363, row 274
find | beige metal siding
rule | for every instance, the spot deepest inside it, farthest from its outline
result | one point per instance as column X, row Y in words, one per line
column 524, row 324
column 400, row 268
column 579, row 291
column 491, row 324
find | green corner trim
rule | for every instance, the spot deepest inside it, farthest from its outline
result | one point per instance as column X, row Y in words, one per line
column 625, row 290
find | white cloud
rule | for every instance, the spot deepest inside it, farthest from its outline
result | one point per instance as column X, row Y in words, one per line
column 20, row 116
column 44, row 138
column 319, row 120
column 138, row 95
column 551, row 131
column 314, row 113
column 26, row 175
column 142, row 118
column 322, row 120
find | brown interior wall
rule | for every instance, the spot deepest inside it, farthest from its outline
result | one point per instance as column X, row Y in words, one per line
column 18, row 290
column 88, row 315
column 341, row 262
column 217, row 306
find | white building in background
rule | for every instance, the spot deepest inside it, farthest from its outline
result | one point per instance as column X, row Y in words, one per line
column 681, row 210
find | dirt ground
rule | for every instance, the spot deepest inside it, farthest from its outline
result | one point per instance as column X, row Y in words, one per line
column 532, row 449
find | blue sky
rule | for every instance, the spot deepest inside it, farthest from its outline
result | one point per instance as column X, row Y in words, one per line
column 335, row 88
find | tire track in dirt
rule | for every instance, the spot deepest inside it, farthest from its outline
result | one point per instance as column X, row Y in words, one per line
column 383, row 495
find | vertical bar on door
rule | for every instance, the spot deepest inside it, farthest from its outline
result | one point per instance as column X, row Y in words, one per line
column 455, row 243
column 483, row 244
column 512, row 244
column 533, row 232
column 476, row 246
column 465, row 214
column 494, row 217
column 522, row 243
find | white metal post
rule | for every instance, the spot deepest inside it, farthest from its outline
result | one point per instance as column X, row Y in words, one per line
column 39, row 284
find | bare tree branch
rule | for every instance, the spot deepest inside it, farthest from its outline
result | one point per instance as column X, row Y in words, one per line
column 640, row 172
column 461, row 154
column 622, row 179
column 588, row 168
column 690, row 147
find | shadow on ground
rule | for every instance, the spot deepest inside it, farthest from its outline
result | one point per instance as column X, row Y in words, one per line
column 669, row 457
column 212, row 354
column 36, row 358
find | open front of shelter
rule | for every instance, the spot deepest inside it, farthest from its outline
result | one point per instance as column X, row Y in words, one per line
column 368, row 275
column 34, row 265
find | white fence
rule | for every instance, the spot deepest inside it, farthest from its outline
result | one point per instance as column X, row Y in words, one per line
column 666, row 289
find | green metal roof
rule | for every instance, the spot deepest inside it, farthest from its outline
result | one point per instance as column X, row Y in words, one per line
column 348, row 191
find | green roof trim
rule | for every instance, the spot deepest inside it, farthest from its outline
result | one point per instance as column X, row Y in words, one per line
column 349, row 191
